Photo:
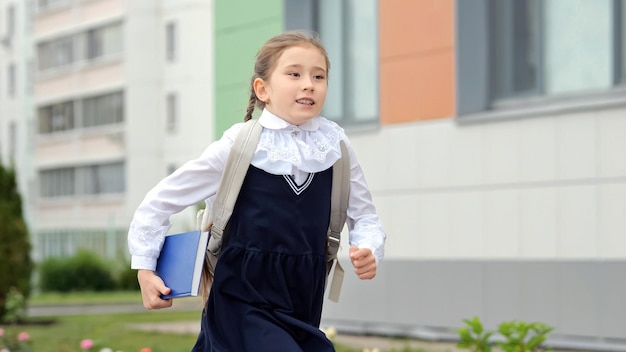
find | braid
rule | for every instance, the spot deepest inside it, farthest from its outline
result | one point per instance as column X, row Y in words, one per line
column 251, row 103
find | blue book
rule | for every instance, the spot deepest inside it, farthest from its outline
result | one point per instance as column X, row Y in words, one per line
column 180, row 263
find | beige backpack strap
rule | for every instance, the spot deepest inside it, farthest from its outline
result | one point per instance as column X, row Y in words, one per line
column 230, row 184
column 338, row 209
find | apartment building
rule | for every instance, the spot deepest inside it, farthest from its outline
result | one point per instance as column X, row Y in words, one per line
column 120, row 97
column 16, row 87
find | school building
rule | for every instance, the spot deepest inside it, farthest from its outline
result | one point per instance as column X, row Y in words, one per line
column 492, row 135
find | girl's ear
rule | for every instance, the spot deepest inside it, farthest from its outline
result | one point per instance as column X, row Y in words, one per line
column 260, row 90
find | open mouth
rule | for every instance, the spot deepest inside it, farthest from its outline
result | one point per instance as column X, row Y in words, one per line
column 305, row 101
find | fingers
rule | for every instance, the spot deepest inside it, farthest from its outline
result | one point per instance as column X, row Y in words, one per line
column 152, row 287
column 364, row 262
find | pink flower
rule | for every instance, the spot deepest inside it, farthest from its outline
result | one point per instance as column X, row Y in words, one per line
column 145, row 349
column 23, row 336
column 86, row 344
column 1, row 332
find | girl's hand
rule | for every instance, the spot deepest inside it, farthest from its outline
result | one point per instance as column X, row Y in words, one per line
column 364, row 262
column 152, row 287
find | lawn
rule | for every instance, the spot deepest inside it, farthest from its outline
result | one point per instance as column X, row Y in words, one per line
column 106, row 330
column 109, row 330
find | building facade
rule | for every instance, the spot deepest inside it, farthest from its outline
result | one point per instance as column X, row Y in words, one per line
column 103, row 120
column 492, row 135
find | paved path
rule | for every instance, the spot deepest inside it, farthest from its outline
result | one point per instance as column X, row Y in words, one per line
column 54, row 310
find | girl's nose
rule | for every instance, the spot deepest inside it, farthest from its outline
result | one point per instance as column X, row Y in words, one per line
column 307, row 84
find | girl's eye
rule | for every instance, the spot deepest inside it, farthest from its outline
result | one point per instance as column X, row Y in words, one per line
column 320, row 77
column 294, row 74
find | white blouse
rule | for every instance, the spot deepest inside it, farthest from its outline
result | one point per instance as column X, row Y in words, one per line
column 283, row 149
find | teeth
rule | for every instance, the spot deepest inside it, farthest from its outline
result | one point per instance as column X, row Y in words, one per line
column 304, row 101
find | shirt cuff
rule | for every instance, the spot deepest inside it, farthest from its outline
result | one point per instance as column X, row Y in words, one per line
column 141, row 262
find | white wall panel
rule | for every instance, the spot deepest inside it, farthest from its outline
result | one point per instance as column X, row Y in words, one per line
column 576, row 222
column 501, row 216
column 612, row 221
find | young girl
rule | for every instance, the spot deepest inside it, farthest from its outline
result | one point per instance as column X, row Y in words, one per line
column 269, row 283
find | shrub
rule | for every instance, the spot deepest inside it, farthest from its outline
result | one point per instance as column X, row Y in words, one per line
column 15, row 262
column 517, row 336
column 84, row 271
column 127, row 278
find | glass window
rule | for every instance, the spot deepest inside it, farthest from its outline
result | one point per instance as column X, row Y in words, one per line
column 56, row 118
column 578, row 45
column 10, row 22
column 102, row 179
column 172, row 112
column 170, row 41
column 103, row 41
column 349, row 31
column 515, row 45
column 551, row 47
column 622, row 41
column 44, row 5
column 57, row 183
column 103, row 110
column 106, row 178
column 55, row 53
column 11, row 80
column 12, row 140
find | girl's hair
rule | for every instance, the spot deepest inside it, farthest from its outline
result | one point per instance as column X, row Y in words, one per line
column 268, row 55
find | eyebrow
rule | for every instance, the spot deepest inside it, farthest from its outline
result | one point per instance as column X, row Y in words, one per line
column 300, row 66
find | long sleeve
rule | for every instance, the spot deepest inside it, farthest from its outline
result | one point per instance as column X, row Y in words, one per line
column 195, row 181
column 364, row 226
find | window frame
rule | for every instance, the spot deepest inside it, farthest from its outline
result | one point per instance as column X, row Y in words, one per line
column 305, row 15
column 474, row 74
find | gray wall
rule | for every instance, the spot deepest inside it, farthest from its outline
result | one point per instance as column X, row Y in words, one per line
column 584, row 300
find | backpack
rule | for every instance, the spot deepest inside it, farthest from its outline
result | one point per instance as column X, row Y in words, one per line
column 230, row 184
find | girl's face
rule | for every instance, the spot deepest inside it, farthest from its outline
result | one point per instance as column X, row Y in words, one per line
column 296, row 88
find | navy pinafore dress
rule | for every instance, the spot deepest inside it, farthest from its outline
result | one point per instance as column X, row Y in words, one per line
column 269, row 281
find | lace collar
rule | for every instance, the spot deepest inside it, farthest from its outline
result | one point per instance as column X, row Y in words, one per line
column 284, row 148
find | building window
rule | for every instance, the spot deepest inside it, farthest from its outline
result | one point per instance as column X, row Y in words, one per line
column 11, row 80
column 172, row 112
column 103, row 110
column 101, row 179
column 170, row 41
column 12, row 140
column 56, row 118
column 621, row 42
column 56, row 53
column 97, row 43
column 104, row 41
column 10, row 23
column 349, row 31
column 509, row 51
column 57, row 183
column 46, row 5
column 96, row 179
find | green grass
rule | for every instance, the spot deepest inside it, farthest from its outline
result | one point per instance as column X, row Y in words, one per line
column 109, row 330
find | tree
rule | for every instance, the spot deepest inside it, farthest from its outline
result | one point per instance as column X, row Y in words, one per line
column 15, row 262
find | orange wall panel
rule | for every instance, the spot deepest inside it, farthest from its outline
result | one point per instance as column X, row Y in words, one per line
column 416, row 60
column 417, row 89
